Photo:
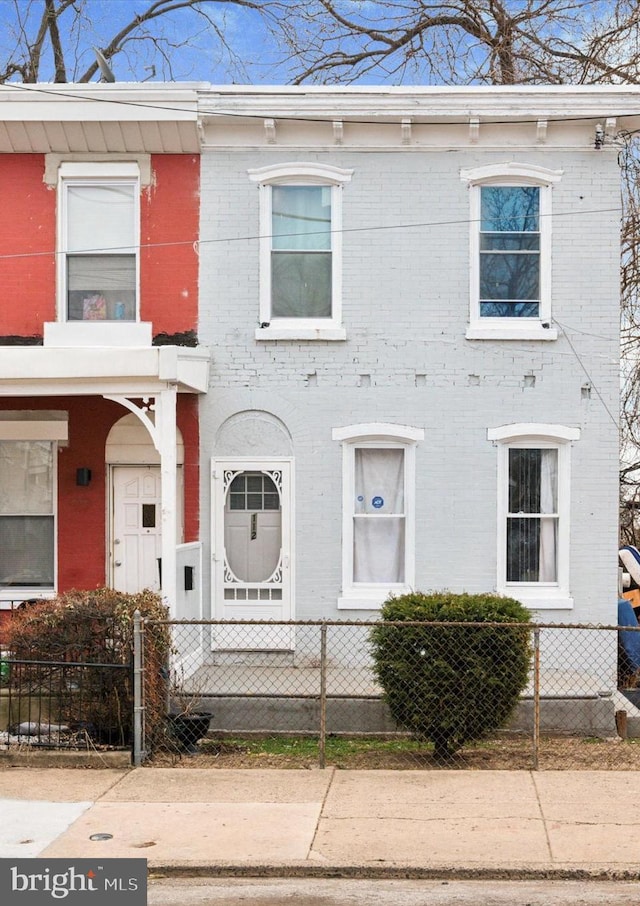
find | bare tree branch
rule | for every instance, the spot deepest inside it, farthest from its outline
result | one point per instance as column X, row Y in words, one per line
column 493, row 41
column 64, row 31
column 56, row 44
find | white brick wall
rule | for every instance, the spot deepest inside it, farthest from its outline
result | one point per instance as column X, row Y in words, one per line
column 405, row 310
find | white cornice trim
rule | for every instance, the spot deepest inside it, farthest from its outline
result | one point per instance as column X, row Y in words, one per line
column 505, row 103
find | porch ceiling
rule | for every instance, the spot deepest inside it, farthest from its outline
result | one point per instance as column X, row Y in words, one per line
column 138, row 371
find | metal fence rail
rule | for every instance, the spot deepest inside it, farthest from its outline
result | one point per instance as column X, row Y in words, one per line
column 63, row 704
column 433, row 687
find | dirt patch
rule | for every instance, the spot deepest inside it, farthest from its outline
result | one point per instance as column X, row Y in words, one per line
column 555, row 754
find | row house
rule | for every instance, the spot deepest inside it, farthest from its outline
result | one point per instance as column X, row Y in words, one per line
column 100, row 370
column 412, row 301
column 281, row 352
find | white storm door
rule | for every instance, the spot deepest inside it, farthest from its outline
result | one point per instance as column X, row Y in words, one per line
column 135, row 536
column 253, row 552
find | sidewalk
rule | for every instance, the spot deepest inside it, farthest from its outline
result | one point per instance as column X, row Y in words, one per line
column 359, row 823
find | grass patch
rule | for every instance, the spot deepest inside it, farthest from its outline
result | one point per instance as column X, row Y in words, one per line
column 304, row 747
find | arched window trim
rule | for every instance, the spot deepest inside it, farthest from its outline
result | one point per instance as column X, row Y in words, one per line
column 300, row 174
column 378, row 431
column 524, row 431
column 511, row 173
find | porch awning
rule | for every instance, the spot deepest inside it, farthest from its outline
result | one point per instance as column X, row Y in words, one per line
column 139, row 371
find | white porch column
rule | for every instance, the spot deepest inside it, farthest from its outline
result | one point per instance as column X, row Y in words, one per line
column 165, row 423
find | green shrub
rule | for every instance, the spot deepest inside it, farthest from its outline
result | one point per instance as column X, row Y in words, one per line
column 451, row 684
column 92, row 627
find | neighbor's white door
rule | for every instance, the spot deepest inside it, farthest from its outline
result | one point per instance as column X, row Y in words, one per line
column 252, row 556
column 135, row 535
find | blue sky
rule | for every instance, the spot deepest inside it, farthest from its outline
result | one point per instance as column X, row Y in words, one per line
column 192, row 50
column 243, row 50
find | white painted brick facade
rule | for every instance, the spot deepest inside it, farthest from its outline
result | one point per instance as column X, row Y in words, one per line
column 406, row 359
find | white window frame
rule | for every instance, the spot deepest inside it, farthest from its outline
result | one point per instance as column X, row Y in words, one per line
column 365, row 595
column 300, row 174
column 508, row 175
column 536, row 595
column 56, row 433
column 93, row 173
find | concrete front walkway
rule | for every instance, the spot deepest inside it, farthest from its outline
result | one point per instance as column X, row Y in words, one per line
column 465, row 823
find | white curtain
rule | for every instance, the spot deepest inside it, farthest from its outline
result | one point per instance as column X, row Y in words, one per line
column 26, row 513
column 26, row 477
column 548, row 526
column 378, row 532
column 301, row 218
column 101, row 218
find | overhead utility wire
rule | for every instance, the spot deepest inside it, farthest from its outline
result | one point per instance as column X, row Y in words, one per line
column 586, row 371
column 257, row 236
column 309, row 119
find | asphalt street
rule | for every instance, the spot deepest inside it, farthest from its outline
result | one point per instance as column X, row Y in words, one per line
column 320, row 892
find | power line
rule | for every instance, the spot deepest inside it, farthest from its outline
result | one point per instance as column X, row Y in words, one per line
column 586, row 371
column 342, row 231
column 309, row 119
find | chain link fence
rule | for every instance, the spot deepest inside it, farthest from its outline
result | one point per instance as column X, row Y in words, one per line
column 396, row 695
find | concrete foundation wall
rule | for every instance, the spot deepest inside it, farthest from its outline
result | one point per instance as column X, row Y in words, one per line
column 584, row 717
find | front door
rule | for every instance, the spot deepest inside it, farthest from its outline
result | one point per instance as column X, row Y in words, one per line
column 135, row 529
column 252, row 555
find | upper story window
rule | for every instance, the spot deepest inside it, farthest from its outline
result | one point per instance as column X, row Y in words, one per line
column 300, row 251
column 378, row 512
column 534, row 481
column 510, row 246
column 99, row 241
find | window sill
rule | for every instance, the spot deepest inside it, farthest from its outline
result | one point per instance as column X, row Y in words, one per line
column 516, row 332
column 9, row 598
column 301, row 333
column 97, row 333
column 369, row 599
column 534, row 601
column 361, row 603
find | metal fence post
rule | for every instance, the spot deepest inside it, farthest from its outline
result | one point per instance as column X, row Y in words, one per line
column 138, row 699
column 536, row 698
column 323, row 696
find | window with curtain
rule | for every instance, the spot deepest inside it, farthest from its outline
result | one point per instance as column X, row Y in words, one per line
column 379, row 516
column 532, row 517
column 509, row 251
column 533, row 549
column 100, row 249
column 301, row 254
column 27, row 520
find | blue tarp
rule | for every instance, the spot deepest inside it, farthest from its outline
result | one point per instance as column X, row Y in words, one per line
column 630, row 641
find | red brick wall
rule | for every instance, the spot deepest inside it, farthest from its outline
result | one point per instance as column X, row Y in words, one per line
column 169, row 211
column 27, row 237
